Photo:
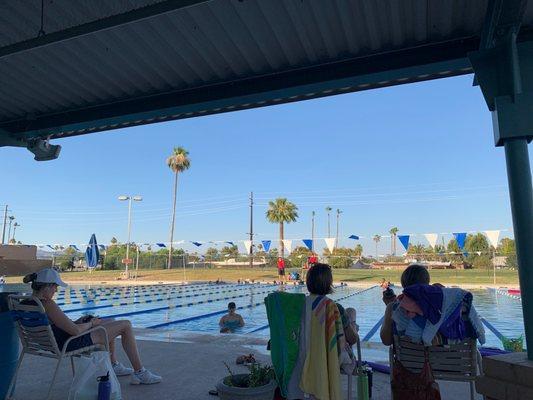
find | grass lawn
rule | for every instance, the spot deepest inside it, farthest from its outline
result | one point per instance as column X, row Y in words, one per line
column 450, row 277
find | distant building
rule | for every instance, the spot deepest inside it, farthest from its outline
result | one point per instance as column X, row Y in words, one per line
column 20, row 260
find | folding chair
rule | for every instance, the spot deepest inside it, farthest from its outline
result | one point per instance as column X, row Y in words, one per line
column 459, row 362
column 37, row 338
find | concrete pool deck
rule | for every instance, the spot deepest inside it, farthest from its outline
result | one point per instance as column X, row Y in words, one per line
column 191, row 365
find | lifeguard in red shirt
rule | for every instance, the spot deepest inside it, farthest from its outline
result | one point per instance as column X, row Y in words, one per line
column 281, row 269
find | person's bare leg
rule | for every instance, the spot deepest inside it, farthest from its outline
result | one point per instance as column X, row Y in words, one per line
column 123, row 329
column 112, row 351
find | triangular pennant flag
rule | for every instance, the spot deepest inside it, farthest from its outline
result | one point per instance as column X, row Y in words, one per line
column 478, row 253
column 493, row 237
column 160, row 245
column 73, row 246
column 308, row 243
column 460, row 237
column 287, row 245
column 247, row 245
column 197, row 244
column 404, row 240
column 354, row 237
column 330, row 244
column 431, row 238
column 465, row 254
column 266, row 244
column 230, row 243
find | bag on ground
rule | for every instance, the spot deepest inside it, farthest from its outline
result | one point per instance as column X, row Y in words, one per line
column 85, row 385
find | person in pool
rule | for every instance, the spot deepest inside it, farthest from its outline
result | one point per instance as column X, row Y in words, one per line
column 231, row 321
column 44, row 284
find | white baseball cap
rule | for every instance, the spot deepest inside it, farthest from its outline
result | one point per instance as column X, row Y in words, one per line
column 49, row 275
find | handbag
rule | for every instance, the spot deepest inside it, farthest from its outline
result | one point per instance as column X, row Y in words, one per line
column 408, row 385
column 85, row 385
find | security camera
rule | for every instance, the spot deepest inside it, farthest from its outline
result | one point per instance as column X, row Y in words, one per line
column 43, row 150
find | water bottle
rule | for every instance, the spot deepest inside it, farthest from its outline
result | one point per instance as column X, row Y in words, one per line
column 104, row 387
column 362, row 385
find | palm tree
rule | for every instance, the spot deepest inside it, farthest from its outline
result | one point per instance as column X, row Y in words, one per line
column 328, row 210
column 281, row 211
column 376, row 239
column 177, row 162
column 393, row 231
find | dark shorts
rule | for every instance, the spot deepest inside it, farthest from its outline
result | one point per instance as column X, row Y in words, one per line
column 75, row 344
column 281, row 271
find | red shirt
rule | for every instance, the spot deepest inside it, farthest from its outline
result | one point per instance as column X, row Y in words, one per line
column 313, row 260
column 281, row 263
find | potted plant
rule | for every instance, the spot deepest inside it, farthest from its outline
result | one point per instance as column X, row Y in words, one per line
column 259, row 384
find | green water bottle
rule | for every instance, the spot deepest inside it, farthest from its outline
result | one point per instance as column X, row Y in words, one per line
column 362, row 385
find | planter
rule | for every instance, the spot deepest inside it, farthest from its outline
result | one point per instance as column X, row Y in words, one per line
column 265, row 392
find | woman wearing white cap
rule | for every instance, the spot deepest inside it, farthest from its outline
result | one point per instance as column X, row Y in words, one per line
column 44, row 284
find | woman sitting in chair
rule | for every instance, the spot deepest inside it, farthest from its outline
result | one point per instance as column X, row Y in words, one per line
column 44, row 284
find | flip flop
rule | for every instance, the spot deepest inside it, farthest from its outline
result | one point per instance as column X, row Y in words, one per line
column 213, row 392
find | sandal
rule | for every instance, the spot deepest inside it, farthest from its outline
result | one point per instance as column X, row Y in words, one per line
column 213, row 392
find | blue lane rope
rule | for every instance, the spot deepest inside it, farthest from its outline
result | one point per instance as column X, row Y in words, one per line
column 373, row 331
column 493, row 329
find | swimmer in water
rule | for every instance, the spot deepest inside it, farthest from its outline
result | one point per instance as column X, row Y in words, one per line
column 231, row 321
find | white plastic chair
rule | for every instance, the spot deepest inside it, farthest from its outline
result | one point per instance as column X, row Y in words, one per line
column 37, row 338
column 459, row 362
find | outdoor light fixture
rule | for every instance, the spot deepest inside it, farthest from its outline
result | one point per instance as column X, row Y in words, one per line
column 127, row 260
column 43, row 150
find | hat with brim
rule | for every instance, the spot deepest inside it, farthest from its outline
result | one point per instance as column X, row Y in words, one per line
column 49, row 275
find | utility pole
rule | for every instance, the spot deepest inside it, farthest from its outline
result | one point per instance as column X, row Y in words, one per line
column 11, row 218
column 251, row 229
column 5, row 223
column 313, row 232
column 339, row 212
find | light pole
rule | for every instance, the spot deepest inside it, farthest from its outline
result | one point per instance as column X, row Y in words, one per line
column 129, row 199
column 11, row 218
column 14, row 229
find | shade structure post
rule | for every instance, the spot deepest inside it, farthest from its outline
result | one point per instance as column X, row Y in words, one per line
column 505, row 75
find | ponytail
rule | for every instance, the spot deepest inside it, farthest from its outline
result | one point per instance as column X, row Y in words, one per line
column 30, row 278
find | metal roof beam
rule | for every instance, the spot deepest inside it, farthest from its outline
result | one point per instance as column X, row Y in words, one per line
column 88, row 28
column 502, row 18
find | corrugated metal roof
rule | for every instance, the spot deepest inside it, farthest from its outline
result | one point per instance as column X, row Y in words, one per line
column 211, row 43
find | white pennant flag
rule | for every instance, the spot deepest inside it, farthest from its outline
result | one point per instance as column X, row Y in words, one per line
column 431, row 238
column 247, row 245
column 287, row 244
column 493, row 237
column 330, row 243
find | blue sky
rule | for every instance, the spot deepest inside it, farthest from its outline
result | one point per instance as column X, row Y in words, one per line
column 420, row 157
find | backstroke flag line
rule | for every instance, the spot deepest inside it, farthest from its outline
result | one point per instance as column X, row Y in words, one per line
column 404, row 240
column 330, row 243
column 308, row 243
column 460, row 237
column 247, row 245
column 266, row 244
column 287, row 244
column 493, row 237
column 431, row 238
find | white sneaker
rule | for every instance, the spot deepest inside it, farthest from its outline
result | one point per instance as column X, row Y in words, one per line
column 145, row 377
column 121, row 370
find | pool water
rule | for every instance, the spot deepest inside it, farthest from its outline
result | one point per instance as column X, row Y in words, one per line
column 198, row 307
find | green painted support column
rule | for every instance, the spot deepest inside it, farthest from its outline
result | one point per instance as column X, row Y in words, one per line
column 505, row 76
column 521, row 193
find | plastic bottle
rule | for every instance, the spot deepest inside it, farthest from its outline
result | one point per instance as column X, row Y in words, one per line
column 104, row 387
column 362, row 385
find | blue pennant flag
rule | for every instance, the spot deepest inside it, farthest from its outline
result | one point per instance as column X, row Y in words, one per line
column 161, row 245
column 230, row 243
column 92, row 254
column 465, row 254
column 197, row 244
column 460, row 238
column 266, row 244
column 50, row 246
column 354, row 237
column 102, row 247
column 404, row 240
column 73, row 246
column 308, row 243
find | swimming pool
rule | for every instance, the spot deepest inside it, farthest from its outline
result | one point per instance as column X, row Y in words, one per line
column 198, row 307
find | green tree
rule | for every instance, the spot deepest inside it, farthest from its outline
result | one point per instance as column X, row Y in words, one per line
column 113, row 241
column 299, row 256
column 230, row 251
column 358, row 251
column 416, row 249
column 507, row 247
column 477, row 242
column 376, row 239
column 178, row 162
column 342, row 257
column 212, row 254
column 393, row 233
column 281, row 211
column 453, row 247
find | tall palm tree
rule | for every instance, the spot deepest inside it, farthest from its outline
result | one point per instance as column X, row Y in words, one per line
column 281, row 211
column 178, row 162
column 376, row 239
column 328, row 210
column 393, row 232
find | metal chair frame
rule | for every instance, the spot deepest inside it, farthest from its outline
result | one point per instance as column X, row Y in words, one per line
column 40, row 341
column 460, row 362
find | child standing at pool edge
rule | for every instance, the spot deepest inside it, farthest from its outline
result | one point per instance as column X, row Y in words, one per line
column 231, row 321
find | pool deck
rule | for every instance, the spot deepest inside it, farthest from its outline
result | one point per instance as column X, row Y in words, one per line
column 191, row 364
